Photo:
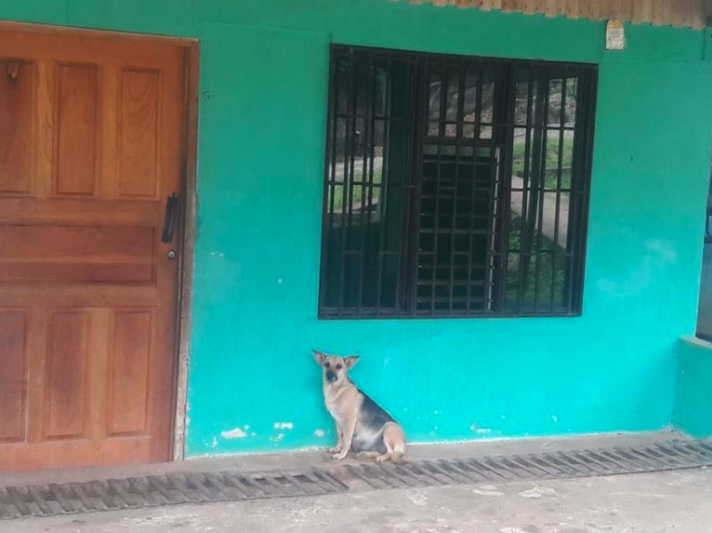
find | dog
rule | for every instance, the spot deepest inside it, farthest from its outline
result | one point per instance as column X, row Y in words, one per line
column 362, row 426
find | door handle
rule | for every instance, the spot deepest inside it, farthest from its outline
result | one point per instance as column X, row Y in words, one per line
column 169, row 220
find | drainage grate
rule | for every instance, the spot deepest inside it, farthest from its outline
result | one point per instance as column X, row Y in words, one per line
column 540, row 466
column 154, row 491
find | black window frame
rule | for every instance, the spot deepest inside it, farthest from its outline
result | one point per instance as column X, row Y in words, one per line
column 503, row 139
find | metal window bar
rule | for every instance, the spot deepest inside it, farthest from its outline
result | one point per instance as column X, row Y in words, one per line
column 444, row 88
column 459, row 134
column 430, row 233
column 410, row 190
column 475, row 137
column 329, row 189
column 497, row 193
column 559, row 178
column 385, row 190
column 541, row 186
column 533, row 110
column 505, row 109
column 582, row 159
column 347, row 180
column 366, row 183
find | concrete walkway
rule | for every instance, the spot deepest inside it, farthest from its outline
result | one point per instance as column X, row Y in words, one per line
column 674, row 502
column 318, row 458
column 671, row 502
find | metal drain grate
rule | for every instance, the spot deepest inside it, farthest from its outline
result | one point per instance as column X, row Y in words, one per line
column 539, row 466
column 154, row 491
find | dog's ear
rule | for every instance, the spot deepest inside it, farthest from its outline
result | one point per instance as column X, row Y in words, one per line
column 319, row 356
column 351, row 361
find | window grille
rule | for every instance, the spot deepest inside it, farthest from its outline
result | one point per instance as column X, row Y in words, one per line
column 454, row 186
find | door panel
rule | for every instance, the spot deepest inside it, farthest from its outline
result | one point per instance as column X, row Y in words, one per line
column 139, row 134
column 77, row 254
column 13, row 370
column 91, row 144
column 17, row 102
column 130, row 371
column 65, row 395
column 76, row 130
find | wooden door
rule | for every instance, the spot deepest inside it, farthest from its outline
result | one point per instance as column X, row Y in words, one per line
column 91, row 145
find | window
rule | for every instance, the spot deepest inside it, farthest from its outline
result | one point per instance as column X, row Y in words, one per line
column 454, row 186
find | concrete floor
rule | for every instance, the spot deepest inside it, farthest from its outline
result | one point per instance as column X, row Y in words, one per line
column 679, row 502
column 297, row 461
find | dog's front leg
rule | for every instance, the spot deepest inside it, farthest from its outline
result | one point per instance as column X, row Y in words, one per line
column 339, row 440
column 349, row 428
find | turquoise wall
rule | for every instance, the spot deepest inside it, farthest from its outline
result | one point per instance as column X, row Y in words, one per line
column 253, row 385
column 693, row 404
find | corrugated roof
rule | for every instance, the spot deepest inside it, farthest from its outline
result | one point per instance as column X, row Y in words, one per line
column 679, row 13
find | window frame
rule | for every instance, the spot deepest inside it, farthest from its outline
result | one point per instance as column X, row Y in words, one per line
column 408, row 254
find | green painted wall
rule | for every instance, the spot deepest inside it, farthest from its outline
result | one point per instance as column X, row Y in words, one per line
column 263, row 105
column 693, row 403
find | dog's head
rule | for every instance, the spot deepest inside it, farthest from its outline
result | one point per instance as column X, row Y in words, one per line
column 335, row 369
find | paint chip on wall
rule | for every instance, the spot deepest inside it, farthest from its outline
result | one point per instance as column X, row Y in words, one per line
column 283, row 425
column 236, row 433
column 480, row 431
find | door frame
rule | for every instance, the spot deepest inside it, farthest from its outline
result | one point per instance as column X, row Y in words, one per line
column 188, row 180
column 187, row 256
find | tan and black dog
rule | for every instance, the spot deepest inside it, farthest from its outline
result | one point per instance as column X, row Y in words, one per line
column 362, row 425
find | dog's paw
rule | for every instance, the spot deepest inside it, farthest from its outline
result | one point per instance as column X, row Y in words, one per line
column 340, row 456
column 334, row 450
column 383, row 458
